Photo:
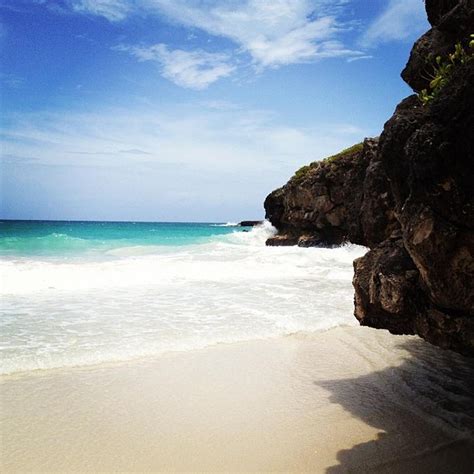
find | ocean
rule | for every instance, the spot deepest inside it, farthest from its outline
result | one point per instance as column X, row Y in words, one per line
column 87, row 293
column 179, row 346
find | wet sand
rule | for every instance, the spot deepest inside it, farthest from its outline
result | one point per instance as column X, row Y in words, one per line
column 346, row 400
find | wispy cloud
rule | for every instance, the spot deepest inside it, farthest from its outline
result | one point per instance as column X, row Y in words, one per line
column 117, row 159
column 113, row 10
column 190, row 133
column 11, row 81
column 358, row 58
column 191, row 69
column 135, row 151
column 400, row 20
column 273, row 32
column 3, row 31
column 220, row 105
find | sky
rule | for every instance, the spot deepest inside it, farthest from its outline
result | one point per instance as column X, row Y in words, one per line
column 187, row 110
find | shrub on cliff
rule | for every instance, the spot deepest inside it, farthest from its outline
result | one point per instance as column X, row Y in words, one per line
column 301, row 173
column 443, row 69
column 352, row 149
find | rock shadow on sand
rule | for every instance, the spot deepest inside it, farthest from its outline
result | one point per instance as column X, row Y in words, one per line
column 424, row 409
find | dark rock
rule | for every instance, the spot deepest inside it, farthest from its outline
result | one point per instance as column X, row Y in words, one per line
column 419, row 69
column 449, row 331
column 274, row 207
column 458, row 19
column 311, row 241
column 436, row 9
column 250, row 223
column 452, row 22
column 334, row 201
column 427, row 153
column 409, row 197
column 387, row 290
column 377, row 216
column 281, row 240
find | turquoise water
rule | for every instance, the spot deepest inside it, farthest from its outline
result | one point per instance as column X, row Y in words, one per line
column 72, row 238
column 86, row 293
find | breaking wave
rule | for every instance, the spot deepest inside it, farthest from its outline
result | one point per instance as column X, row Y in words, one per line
column 146, row 300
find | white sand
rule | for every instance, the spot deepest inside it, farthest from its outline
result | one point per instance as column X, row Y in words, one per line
column 346, row 400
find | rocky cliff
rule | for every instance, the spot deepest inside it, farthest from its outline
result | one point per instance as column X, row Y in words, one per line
column 408, row 196
column 344, row 198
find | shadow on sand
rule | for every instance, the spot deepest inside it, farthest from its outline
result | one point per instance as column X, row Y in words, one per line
column 424, row 409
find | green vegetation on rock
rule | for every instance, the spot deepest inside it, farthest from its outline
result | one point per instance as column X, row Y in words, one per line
column 347, row 151
column 443, row 69
column 301, row 173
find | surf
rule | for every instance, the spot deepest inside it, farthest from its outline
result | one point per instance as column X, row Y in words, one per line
column 144, row 300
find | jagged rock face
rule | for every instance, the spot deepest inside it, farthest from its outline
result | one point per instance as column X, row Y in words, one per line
column 387, row 288
column 376, row 215
column 427, row 153
column 433, row 42
column 389, row 294
column 409, row 197
column 345, row 199
column 436, row 9
column 452, row 21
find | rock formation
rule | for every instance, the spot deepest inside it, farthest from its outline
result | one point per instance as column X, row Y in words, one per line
column 408, row 196
column 344, row 198
column 249, row 223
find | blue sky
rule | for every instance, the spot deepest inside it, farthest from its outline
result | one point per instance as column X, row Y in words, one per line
column 187, row 110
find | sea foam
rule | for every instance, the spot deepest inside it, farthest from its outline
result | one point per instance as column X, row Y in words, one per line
column 146, row 300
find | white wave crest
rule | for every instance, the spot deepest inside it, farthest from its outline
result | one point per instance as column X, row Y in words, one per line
column 233, row 288
column 227, row 224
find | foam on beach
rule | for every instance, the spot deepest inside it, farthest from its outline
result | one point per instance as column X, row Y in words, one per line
column 220, row 355
column 345, row 400
column 143, row 301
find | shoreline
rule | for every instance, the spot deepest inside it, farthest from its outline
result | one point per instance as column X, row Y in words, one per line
column 166, row 353
column 350, row 398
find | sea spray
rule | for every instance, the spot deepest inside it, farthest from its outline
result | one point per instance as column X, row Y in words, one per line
column 143, row 300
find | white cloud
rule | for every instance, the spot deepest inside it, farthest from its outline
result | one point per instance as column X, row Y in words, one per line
column 272, row 32
column 113, row 10
column 358, row 58
column 139, row 163
column 211, row 139
column 191, row 69
column 220, row 105
column 3, row 31
column 401, row 20
column 11, row 81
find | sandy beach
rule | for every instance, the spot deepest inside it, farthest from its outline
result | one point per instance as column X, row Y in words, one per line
column 212, row 213
column 345, row 400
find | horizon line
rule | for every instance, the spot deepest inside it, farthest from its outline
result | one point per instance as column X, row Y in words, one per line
column 124, row 221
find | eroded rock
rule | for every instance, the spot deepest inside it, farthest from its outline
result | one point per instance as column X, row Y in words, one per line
column 343, row 199
column 409, row 197
column 452, row 21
